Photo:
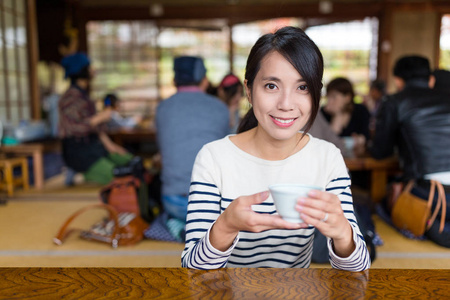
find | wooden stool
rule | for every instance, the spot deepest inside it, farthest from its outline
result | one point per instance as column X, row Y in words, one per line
column 7, row 178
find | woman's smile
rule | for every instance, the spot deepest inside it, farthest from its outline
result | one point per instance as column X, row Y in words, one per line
column 283, row 122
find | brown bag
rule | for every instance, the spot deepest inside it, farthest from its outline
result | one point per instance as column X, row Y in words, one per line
column 414, row 213
column 125, row 228
column 122, row 193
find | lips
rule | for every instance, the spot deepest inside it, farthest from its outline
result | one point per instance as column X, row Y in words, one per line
column 283, row 122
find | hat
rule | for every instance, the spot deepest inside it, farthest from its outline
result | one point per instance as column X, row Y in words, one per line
column 229, row 80
column 74, row 63
column 189, row 70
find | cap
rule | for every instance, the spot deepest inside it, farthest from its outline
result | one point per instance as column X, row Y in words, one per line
column 74, row 63
column 188, row 70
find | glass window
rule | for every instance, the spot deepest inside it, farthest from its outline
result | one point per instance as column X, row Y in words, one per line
column 444, row 43
column 14, row 93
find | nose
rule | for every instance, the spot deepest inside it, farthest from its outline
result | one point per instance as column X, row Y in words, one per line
column 285, row 101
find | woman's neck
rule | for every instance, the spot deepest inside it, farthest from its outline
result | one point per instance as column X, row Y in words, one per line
column 261, row 145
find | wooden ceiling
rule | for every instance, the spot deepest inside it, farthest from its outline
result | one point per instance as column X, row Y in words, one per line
column 237, row 11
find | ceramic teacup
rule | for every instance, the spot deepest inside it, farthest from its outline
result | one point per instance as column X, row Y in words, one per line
column 285, row 198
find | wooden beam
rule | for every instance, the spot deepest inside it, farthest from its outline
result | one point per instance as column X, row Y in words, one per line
column 233, row 13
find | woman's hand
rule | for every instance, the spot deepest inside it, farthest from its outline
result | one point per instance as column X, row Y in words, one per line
column 239, row 215
column 323, row 210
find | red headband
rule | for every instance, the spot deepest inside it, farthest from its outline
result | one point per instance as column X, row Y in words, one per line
column 229, row 80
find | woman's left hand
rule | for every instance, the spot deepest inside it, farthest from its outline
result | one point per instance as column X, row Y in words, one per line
column 323, row 210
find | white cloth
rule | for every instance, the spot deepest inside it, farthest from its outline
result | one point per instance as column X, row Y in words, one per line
column 222, row 172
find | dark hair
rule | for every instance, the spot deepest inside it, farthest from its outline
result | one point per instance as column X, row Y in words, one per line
column 297, row 48
column 84, row 73
column 442, row 80
column 110, row 100
column 343, row 86
column 379, row 85
column 412, row 67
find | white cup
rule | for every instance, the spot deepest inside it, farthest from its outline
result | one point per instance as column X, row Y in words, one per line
column 285, row 198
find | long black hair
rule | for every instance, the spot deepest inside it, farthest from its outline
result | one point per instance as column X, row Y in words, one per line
column 304, row 55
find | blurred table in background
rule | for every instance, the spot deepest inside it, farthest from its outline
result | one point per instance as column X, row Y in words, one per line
column 36, row 151
column 233, row 283
column 123, row 136
column 379, row 170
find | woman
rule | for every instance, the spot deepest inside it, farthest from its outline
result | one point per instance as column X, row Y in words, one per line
column 230, row 91
column 346, row 118
column 231, row 219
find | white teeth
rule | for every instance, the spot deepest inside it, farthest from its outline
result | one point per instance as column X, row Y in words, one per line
column 284, row 121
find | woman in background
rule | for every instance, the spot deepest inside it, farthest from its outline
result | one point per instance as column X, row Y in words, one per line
column 230, row 91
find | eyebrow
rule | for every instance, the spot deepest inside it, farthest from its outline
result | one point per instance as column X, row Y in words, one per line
column 271, row 78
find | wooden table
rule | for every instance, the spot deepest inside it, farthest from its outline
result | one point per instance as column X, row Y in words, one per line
column 121, row 137
column 180, row 283
column 379, row 171
column 35, row 150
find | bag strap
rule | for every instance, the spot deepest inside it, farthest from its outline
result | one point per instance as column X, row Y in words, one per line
column 113, row 215
column 441, row 204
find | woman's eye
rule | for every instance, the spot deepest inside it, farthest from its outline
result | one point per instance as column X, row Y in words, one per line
column 303, row 87
column 271, row 86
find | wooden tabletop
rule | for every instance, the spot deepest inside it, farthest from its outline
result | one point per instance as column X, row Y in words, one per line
column 181, row 283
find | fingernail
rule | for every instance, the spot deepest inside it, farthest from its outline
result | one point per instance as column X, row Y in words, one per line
column 313, row 193
column 264, row 194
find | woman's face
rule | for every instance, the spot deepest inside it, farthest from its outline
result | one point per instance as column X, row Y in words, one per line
column 337, row 102
column 280, row 98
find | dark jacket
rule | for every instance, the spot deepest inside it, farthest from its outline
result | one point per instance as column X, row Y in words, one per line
column 417, row 121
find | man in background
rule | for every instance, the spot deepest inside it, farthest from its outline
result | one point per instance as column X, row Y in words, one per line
column 416, row 120
column 185, row 122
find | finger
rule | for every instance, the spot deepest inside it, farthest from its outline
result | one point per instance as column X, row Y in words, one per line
column 266, row 222
column 255, row 198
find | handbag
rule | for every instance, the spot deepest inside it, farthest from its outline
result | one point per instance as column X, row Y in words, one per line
column 414, row 214
column 124, row 228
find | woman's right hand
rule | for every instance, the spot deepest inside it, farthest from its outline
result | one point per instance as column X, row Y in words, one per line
column 239, row 215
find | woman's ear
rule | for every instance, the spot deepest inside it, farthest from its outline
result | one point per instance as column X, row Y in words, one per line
column 248, row 91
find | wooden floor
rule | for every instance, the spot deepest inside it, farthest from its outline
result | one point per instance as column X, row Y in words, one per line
column 30, row 219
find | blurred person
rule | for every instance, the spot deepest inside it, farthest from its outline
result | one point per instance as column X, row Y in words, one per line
column 347, row 118
column 117, row 121
column 441, row 80
column 184, row 123
column 86, row 147
column 377, row 91
column 231, row 90
column 415, row 121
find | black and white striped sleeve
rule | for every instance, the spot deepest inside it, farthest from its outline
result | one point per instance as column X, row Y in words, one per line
column 203, row 211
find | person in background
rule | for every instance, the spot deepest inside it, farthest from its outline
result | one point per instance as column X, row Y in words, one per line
column 184, row 123
column 231, row 90
column 377, row 91
column 231, row 219
column 441, row 80
column 111, row 101
column 416, row 122
column 346, row 118
column 86, row 147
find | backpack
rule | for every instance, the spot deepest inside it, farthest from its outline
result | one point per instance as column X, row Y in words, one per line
column 135, row 190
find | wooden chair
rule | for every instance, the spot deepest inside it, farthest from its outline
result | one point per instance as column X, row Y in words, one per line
column 7, row 178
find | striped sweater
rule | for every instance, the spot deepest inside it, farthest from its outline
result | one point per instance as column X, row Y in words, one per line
column 223, row 172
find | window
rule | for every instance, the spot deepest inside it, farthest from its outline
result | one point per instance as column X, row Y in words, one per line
column 125, row 61
column 349, row 49
column 135, row 59
column 444, row 55
column 15, row 104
